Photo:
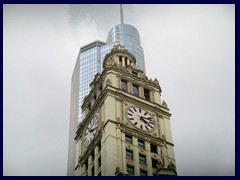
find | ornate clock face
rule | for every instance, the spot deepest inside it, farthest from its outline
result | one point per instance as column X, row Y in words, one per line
column 140, row 118
column 90, row 131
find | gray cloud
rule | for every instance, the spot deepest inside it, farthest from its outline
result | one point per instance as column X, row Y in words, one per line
column 189, row 48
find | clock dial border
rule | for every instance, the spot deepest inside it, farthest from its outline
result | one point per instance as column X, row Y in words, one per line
column 87, row 137
column 144, row 121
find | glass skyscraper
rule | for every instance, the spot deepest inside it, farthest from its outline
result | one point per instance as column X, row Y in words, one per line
column 89, row 63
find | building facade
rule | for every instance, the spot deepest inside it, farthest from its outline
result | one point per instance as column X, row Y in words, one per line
column 89, row 62
column 126, row 125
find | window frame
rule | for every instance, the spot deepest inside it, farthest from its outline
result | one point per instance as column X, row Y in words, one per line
column 130, row 137
column 122, row 82
column 154, row 165
column 148, row 96
column 142, row 145
column 155, row 147
column 135, row 89
column 134, row 74
column 129, row 154
column 143, row 171
column 143, row 159
column 131, row 167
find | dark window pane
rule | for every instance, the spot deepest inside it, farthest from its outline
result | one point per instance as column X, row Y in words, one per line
column 135, row 74
column 120, row 60
column 99, row 162
column 154, row 163
column 135, row 90
column 93, row 171
column 124, row 85
column 92, row 154
column 142, row 159
column 147, row 94
column 129, row 154
column 130, row 170
column 141, row 144
column 99, row 146
column 143, row 173
column 128, row 139
column 153, row 148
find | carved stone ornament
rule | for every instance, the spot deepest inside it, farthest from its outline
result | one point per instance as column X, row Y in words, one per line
column 118, row 119
column 164, row 104
column 171, row 165
column 109, row 82
column 160, row 164
column 118, row 126
column 156, row 81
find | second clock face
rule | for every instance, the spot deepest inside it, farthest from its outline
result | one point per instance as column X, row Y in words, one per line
column 140, row 118
column 90, row 131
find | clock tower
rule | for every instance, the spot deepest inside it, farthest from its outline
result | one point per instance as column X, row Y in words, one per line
column 126, row 126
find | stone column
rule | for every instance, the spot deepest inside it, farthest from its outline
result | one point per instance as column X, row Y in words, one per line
column 83, row 170
column 123, row 62
column 136, row 156
column 96, row 165
column 89, row 166
column 148, row 158
column 124, row 169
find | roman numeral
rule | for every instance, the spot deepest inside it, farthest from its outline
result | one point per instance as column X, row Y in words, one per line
column 130, row 110
column 129, row 114
column 141, row 126
column 145, row 113
column 135, row 110
column 135, row 123
column 139, row 110
column 146, row 127
column 151, row 122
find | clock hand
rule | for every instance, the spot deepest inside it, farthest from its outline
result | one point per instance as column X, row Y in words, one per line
column 143, row 119
column 91, row 130
column 147, row 118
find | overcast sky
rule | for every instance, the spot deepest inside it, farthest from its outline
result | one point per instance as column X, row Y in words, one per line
column 189, row 48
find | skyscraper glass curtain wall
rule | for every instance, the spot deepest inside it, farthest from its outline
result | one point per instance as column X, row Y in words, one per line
column 91, row 56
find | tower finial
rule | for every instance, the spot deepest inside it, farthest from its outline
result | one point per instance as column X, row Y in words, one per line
column 121, row 13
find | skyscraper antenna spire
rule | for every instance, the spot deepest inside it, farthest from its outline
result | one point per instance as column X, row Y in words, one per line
column 121, row 13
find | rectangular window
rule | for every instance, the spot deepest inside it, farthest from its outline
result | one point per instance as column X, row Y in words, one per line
column 99, row 146
column 128, row 139
column 147, row 94
column 154, row 163
column 143, row 173
column 135, row 74
column 135, row 89
column 125, row 61
column 129, row 154
column 130, row 170
column 99, row 162
column 93, row 171
column 120, row 60
column 141, row 144
column 142, row 159
column 153, row 148
column 124, row 85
